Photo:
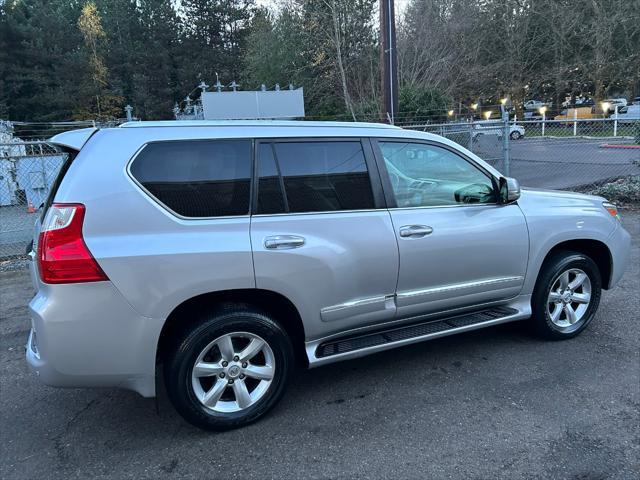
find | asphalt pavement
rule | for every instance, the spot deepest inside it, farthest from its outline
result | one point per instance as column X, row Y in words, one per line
column 560, row 163
column 491, row 404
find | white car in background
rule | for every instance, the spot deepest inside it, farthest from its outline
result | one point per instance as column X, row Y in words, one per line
column 491, row 127
column 535, row 104
column 616, row 102
column 628, row 114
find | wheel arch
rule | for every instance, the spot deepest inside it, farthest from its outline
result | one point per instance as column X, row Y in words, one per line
column 594, row 249
column 284, row 312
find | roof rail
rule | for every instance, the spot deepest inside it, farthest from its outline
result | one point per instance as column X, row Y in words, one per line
column 252, row 123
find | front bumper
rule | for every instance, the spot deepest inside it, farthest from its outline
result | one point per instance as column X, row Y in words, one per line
column 87, row 335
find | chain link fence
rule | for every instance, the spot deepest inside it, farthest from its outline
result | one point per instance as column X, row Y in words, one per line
column 28, row 167
column 573, row 155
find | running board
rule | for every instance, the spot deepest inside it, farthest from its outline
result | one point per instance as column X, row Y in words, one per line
column 342, row 348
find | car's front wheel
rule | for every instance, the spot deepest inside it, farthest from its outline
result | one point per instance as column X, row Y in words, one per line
column 229, row 370
column 566, row 296
column 515, row 135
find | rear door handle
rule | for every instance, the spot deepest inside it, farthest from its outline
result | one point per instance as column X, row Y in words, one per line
column 415, row 231
column 283, row 242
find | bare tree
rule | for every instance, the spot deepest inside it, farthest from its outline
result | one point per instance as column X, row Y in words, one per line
column 336, row 39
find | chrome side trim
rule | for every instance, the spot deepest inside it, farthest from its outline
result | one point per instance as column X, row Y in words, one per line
column 361, row 306
column 524, row 311
column 458, row 286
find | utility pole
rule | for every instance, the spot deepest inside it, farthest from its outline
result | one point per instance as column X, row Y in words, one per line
column 388, row 59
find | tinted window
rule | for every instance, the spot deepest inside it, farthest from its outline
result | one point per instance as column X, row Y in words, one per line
column 270, row 196
column 201, row 178
column 427, row 175
column 320, row 176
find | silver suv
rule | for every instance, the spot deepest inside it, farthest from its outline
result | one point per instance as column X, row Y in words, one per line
column 223, row 254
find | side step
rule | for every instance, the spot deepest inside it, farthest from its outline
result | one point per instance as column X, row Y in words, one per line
column 396, row 336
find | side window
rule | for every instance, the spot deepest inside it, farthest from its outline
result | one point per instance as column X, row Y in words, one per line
column 197, row 178
column 270, row 196
column 317, row 176
column 426, row 175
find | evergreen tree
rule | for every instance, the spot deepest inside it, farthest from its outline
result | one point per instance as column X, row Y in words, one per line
column 158, row 59
column 213, row 39
column 40, row 59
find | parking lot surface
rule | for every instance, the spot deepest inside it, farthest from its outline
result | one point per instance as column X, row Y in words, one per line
column 491, row 404
column 567, row 163
column 560, row 163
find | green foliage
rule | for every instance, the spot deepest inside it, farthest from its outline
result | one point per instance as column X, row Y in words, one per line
column 97, row 99
column 141, row 52
column 544, row 49
column 151, row 53
column 304, row 44
column 273, row 50
column 422, row 104
column 213, row 38
column 41, row 59
column 625, row 190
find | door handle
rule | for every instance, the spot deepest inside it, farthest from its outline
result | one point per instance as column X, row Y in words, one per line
column 415, row 231
column 283, row 242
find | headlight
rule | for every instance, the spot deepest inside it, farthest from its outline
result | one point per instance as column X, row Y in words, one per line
column 612, row 209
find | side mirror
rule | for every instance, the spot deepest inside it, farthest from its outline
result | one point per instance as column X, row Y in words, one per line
column 509, row 190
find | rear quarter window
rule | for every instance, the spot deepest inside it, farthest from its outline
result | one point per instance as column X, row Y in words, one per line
column 197, row 178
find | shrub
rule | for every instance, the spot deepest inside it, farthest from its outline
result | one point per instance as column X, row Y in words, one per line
column 623, row 190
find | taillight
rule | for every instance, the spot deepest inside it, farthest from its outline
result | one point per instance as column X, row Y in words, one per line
column 62, row 254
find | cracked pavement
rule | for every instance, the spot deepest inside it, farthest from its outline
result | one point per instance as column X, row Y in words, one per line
column 495, row 403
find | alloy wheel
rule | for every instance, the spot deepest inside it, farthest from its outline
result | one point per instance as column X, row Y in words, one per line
column 569, row 298
column 233, row 372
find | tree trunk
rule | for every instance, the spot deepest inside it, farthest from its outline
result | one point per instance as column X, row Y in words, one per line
column 338, row 45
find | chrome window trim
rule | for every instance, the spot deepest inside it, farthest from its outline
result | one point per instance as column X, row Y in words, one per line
column 462, row 205
column 325, row 212
column 165, row 208
column 175, row 215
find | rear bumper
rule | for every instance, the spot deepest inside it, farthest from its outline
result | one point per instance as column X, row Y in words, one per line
column 620, row 247
column 87, row 335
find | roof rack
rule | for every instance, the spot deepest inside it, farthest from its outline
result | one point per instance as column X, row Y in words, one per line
column 253, row 123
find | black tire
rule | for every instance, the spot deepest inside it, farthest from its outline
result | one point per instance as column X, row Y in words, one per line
column 515, row 135
column 181, row 359
column 551, row 270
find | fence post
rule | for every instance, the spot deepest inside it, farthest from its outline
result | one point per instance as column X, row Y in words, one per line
column 575, row 123
column 615, row 121
column 505, row 141
column 471, row 135
column 544, row 119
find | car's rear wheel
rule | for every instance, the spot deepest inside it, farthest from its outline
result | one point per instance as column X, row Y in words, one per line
column 566, row 296
column 515, row 135
column 229, row 370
